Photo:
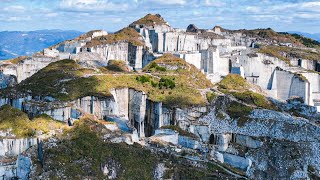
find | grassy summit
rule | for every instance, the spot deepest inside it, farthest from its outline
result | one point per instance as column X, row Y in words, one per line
column 150, row 20
column 177, row 85
column 124, row 35
column 22, row 126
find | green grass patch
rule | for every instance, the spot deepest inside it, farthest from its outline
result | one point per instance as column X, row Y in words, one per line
column 82, row 153
column 65, row 81
column 211, row 96
column 253, row 98
column 124, row 35
column 233, row 82
column 22, row 126
column 117, row 66
column 239, row 111
column 238, row 87
column 16, row 60
column 283, row 52
column 150, row 20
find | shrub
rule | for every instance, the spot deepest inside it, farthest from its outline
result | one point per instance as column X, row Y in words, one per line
column 167, row 83
column 143, row 79
column 233, row 82
column 117, row 66
column 239, row 111
column 155, row 66
column 253, row 98
column 211, row 96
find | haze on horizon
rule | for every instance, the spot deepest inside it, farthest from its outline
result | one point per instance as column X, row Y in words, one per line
column 112, row 15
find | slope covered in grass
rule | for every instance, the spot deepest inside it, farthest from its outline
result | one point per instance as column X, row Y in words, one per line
column 238, row 87
column 66, row 81
column 22, row 126
column 284, row 53
column 150, row 20
column 124, row 35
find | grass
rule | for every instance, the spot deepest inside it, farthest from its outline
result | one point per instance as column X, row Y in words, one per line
column 271, row 35
column 283, row 52
column 211, row 96
column 253, row 98
column 233, row 82
column 22, row 126
column 65, row 81
column 239, row 111
column 82, row 152
column 117, row 66
column 124, row 35
column 308, row 42
column 150, row 20
column 180, row 131
column 238, row 87
column 16, row 60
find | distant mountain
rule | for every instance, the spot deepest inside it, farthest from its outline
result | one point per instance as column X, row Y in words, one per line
column 18, row 43
column 315, row 36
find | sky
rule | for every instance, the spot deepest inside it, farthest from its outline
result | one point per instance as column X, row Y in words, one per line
column 112, row 15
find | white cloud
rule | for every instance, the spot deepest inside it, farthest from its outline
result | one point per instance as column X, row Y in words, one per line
column 14, row 9
column 215, row 3
column 17, row 18
column 52, row 15
column 169, row 2
column 92, row 5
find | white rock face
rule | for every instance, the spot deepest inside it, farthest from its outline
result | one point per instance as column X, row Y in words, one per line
column 269, row 140
column 7, row 170
column 188, row 142
column 237, row 161
column 13, row 147
column 166, row 135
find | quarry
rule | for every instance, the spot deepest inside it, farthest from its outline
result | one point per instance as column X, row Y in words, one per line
column 224, row 104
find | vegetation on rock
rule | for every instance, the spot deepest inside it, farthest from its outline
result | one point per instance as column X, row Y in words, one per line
column 83, row 154
column 239, row 111
column 238, row 87
column 16, row 60
column 308, row 42
column 124, row 35
column 180, row 131
column 117, row 66
column 66, row 80
column 22, row 126
column 284, row 53
column 150, row 20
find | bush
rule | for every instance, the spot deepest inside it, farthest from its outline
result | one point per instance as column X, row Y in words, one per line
column 143, row 79
column 233, row 82
column 154, row 65
column 167, row 83
column 253, row 98
column 117, row 66
column 211, row 96
column 239, row 111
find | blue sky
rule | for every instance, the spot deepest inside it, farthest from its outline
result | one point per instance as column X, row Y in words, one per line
column 112, row 15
